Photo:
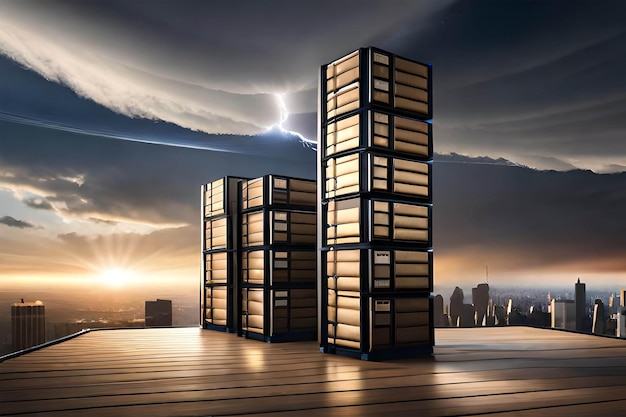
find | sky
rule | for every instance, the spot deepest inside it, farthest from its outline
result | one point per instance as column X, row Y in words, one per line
column 112, row 115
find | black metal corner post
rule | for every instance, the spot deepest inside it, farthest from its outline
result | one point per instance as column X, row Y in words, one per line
column 202, row 259
column 237, row 272
column 322, row 290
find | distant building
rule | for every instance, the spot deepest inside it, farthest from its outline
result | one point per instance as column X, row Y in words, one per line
column 500, row 315
column 456, row 306
column 28, row 324
column 158, row 313
column 598, row 325
column 538, row 318
column 581, row 305
column 620, row 322
column 509, row 310
column 439, row 317
column 563, row 314
column 467, row 317
column 490, row 320
column 480, row 298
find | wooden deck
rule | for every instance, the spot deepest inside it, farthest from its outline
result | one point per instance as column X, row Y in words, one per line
column 514, row 371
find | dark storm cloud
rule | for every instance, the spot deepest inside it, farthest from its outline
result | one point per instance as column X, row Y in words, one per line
column 12, row 222
column 37, row 203
column 539, row 83
column 208, row 66
column 112, row 181
column 523, row 218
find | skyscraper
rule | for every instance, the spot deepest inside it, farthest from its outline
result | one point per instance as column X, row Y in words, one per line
column 598, row 323
column 480, row 298
column 28, row 324
column 375, row 204
column 456, row 306
column 158, row 313
column 563, row 314
column 581, row 305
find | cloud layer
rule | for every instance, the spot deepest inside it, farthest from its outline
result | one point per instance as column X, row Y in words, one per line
column 95, row 203
column 12, row 222
column 539, row 84
column 209, row 67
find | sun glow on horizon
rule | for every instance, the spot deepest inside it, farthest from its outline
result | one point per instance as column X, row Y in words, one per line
column 117, row 277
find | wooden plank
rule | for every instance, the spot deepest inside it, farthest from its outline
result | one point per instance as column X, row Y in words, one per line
column 194, row 372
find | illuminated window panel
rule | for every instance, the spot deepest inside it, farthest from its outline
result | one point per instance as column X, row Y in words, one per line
column 367, row 172
column 385, row 132
column 292, row 314
column 275, row 227
column 253, row 267
column 215, row 305
column 358, row 220
column 342, row 72
column 392, row 322
column 410, row 222
column 214, row 198
column 270, row 267
column 272, row 190
column 252, row 229
column 388, row 81
column 221, row 197
column 216, row 234
column 413, row 270
column 342, row 175
column 343, row 101
column 411, row 87
column 384, row 270
column 343, row 135
column 381, row 91
column 252, row 193
column 344, row 319
column 218, row 267
column 343, row 222
column 412, row 137
column 252, row 309
column 411, row 178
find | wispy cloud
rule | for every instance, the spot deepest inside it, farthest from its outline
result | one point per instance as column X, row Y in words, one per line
column 37, row 203
column 12, row 222
column 214, row 69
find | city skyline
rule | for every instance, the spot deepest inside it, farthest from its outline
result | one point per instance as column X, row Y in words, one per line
column 104, row 143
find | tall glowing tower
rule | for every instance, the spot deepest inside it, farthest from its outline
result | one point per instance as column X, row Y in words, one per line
column 375, row 205
column 581, row 305
column 220, row 254
column 28, row 324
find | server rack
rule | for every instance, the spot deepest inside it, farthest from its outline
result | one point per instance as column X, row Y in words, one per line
column 220, row 254
column 278, row 259
column 375, row 205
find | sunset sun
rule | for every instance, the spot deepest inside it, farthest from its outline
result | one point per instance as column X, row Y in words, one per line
column 117, row 277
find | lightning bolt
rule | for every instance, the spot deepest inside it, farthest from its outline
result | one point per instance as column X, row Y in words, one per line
column 284, row 115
